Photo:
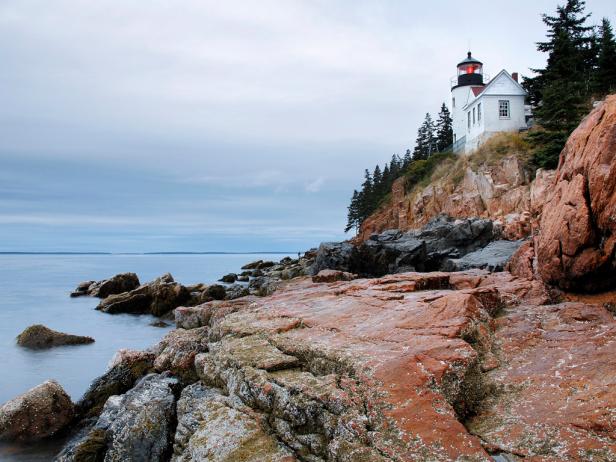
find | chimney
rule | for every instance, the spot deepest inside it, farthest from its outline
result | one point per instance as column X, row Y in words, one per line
column 515, row 76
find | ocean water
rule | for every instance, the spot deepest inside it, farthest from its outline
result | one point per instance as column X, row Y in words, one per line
column 34, row 289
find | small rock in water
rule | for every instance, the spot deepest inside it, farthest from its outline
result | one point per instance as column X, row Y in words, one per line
column 39, row 337
column 159, row 324
column 229, row 278
column 38, row 413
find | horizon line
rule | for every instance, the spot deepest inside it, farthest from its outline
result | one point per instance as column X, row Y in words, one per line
column 142, row 253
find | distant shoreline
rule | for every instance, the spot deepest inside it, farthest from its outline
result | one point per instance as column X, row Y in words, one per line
column 146, row 253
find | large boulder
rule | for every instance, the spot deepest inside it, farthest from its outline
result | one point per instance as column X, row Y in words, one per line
column 126, row 368
column 492, row 257
column 427, row 249
column 576, row 247
column 333, row 255
column 213, row 427
column 136, row 426
column 40, row 337
column 41, row 412
column 157, row 297
column 118, row 284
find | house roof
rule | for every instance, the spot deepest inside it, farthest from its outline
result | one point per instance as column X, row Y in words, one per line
column 479, row 91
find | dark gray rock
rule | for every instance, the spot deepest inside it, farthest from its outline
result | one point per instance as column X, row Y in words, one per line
column 492, row 257
column 130, row 367
column 157, row 297
column 236, row 291
column 136, row 426
column 118, row 284
column 428, row 249
column 229, row 278
column 216, row 292
column 333, row 255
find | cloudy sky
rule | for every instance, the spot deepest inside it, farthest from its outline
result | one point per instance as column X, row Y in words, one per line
column 233, row 125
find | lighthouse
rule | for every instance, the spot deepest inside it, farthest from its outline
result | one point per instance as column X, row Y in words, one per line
column 482, row 107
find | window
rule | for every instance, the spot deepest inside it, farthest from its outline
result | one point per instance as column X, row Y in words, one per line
column 479, row 113
column 453, row 102
column 503, row 109
column 473, row 116
column 469, row 120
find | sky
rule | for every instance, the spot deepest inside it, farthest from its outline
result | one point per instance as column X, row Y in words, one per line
column 201, row 125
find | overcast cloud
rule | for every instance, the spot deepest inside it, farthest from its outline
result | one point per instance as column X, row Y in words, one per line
column 236, row 125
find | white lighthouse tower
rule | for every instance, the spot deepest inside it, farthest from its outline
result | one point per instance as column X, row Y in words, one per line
column 469, row 76
column 482, row 107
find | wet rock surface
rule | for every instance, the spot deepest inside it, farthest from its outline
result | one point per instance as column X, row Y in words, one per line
column 557, row 385
column 428, row 249
column 414, row 366
column 38, row 337
column 39, row 413
column 576, row 246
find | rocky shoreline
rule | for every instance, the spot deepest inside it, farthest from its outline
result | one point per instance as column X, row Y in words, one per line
column 442, row 343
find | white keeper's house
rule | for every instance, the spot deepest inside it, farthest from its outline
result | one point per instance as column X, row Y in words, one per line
column 482, row 107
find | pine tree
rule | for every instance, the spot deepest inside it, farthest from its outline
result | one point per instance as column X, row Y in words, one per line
column 353, row 218
column 444, row 129
column 407, row 159
column 426, row 139
column 378, row 183
column 605, row 79
column 561, row 90
column 366, row 201
column 386, row 175
column 395, row 167
column 419, row 153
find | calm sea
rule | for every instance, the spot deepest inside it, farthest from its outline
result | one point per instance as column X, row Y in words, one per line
column 34, row 289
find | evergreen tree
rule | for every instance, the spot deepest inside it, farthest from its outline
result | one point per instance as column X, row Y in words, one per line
column 605, row 79
column 425, row 144
column 353, row 218
column 444, row 129
column 561, row 90
column 395, row 167
column 366, row 206
column 386, row 175
column 407, row 159
column 378, row 183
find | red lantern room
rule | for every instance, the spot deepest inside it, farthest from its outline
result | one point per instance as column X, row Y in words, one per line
column 470, row 71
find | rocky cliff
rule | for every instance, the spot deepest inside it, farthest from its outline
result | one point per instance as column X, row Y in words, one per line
column 576, row 247
column 461, row 366
column 494, row 183
column 411, row 367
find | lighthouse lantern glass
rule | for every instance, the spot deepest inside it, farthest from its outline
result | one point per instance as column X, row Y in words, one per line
column 469, row 69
